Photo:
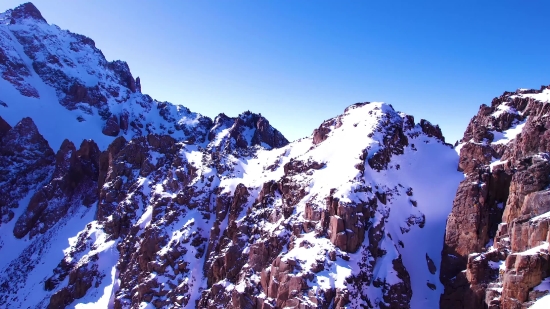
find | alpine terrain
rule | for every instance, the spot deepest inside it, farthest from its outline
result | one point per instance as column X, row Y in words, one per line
column 112, row 199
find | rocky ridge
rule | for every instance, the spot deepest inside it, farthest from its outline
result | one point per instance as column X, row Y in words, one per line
column 40, row 62
column 258, row 225
column 165, row 208
column 496, row 243
column 162, row 207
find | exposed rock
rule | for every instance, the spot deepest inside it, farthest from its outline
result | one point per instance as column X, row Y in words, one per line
column 138, row 84
column 523, row 272
column 111, row 127
column 123, row 120
column 393, row 143
column 4, row 128
column 73, row 184
column 27, row 162
column 26, row 10
column 431, row 130
column 265, row 133
column 399, row 295
column 187, row 198
column 499, row 204
column 248, row 129
column 122, row 71
column 431, row 265
column 524, row 182
column 474, row 156
column 320, row 134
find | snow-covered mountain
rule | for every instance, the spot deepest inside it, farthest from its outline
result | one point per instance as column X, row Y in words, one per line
column 111, row 199
column 65, row 84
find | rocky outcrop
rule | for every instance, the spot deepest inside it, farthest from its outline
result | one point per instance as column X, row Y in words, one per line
column 493, row 232
column 27, row 162
column 73, row 183
column 340, row 228
column 111, row 127
column 320, row 134
column 26, row 10
column 248, row 129
column 4, row 128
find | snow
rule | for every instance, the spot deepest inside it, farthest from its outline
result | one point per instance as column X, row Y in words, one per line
column 503, row 108
column 106, row 298
column 32, row 292
column 434, row 183
column 459, row 147
column 540, row 217
column 506, row 136
column 535, row 250
column 542, row 303
column 47, row 108
column 543, row 286
column 145, row 219
column 7, row 240
column 497, row 265
column 544, row 96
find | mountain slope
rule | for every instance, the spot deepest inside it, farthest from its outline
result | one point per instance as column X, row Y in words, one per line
column 163, row 207
column 65, row 84
column 222, row 225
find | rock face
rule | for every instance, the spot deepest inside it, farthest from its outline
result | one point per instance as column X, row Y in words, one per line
column 27, row 10
column 248, row 129
column 4, row 128
column 111, row 128
column 223, row 223
column 27, row 162
column 496, row 241
column 74, row 182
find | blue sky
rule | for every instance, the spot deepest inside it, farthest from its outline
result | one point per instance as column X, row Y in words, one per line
column 301, row 62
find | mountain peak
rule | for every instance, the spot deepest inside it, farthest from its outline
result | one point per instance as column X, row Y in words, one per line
column 25, row 11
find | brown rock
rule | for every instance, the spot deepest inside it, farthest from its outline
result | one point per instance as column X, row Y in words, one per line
column 26, row 10
column 4, row 128
column 111, row 127
column 431, row 130
column 431, row 265
column 27, row 162
column 474, row 156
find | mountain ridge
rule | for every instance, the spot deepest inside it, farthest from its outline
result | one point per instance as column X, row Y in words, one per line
column 161, row 207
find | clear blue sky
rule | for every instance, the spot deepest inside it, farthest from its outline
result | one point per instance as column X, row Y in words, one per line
column 301, row 62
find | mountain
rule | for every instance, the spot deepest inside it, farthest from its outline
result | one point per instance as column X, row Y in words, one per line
column 496, row 243
column 111, row 199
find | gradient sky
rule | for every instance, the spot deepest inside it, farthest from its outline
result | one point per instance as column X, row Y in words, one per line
column 301, row 62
